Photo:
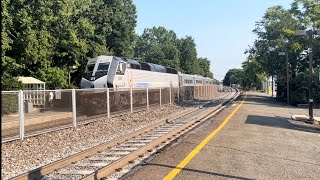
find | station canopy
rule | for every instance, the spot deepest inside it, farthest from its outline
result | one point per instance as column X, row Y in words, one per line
column 31, row 83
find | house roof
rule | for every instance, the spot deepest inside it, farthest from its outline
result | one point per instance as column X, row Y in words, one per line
column 30, row 80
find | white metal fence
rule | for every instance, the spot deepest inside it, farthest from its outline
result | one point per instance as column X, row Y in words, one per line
column 70, row 107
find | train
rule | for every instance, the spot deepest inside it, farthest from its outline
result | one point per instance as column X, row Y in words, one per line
column 120, row 72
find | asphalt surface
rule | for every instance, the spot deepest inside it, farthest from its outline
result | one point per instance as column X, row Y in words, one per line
column 259, row 142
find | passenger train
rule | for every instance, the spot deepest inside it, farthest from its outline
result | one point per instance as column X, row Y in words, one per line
column 116, row 72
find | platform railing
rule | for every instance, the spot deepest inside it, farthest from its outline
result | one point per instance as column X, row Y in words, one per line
column 65, row 108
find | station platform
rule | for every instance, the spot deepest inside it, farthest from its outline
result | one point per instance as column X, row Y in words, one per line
column 257, row 140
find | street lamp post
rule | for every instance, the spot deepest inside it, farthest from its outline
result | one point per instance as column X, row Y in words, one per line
column 310, row 34
column 70, row 68
column 287, row 66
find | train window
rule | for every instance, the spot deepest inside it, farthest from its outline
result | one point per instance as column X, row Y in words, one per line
column 90, row 67
column 121, row 68
column 171, row 70
column 145, row 66
column 159, row 68
column 103, row 67
column 135, row 66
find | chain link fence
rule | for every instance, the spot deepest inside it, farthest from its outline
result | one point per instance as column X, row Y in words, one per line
column 27, row 113
column 10, row 125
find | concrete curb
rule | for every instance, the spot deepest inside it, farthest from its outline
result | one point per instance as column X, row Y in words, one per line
column 305, row 118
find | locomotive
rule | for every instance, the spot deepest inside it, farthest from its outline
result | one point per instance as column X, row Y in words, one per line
column 119, row 74
column 116, row 72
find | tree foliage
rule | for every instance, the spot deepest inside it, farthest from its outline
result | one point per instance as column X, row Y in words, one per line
column 233, row 76
column 42, row 38
column 161, row 46
column 276, row 34
column 158, row 45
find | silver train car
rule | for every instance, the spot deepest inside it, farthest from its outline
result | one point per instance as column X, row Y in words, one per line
column 116, row 72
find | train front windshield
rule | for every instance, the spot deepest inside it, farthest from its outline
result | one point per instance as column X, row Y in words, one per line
column 102, row 70
column 90, row 68
column 88, row 72
column 103, row 67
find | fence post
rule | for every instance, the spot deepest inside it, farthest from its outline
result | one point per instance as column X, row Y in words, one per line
column 207, row 90
column 160, row 96
column 108, row 103
column 170, row 94
column 178, row 93
column 147, row 98
column 193, row 93
column 21, row 115
column 131, row 101
column 74, row 109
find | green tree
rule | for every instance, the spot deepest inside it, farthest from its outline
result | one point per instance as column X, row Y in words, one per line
column 188, row 55
column 158, row 45
column 122, row 18
column 204, row 67
column 275, row 34
column 233, row 76
column 253, row 76
column 9, row 66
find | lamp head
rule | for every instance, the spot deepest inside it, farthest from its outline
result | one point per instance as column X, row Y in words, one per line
column 300, row 33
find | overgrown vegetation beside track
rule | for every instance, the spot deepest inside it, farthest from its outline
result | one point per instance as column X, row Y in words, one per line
column 42, row 38
column 276, row 33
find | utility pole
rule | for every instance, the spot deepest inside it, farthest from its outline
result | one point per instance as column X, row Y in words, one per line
column 287, row 66
column 288, row 90
column 310, row 33
column 272, row 85
column 70, row 68
column 69, row 78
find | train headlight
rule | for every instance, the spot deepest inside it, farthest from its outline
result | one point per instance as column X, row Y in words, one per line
column 92, row 78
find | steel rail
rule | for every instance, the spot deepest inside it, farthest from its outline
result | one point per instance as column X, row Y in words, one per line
column 115, row 166
column 49, row 168
column 36, row 173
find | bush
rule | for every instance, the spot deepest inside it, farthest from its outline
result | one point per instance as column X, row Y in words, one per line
column 10, row 103
column 11, row 83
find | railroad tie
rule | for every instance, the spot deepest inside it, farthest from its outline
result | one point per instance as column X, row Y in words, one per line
column 138, row 141
column 115, row 153
column 92, row 164
column 80, row 172
column 133, row 144
column 111, row 158
column 150, row 136
column 124, row 149
column 161, row 131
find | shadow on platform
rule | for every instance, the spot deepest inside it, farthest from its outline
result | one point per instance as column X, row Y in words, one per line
column 264, row 100
column 281, row 122
column 198, row 171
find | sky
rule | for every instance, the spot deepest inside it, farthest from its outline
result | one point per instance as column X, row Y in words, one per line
column 222, row 29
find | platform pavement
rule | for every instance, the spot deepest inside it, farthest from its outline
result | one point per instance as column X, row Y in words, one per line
column 259, row 142
column 296, row 110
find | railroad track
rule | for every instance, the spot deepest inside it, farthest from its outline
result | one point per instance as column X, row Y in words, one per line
column 101, row 161
column 42, row 128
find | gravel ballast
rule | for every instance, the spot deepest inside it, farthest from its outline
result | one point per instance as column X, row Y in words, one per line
column 22, row 156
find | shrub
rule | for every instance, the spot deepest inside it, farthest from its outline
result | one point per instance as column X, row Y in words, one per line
column 10, row 103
